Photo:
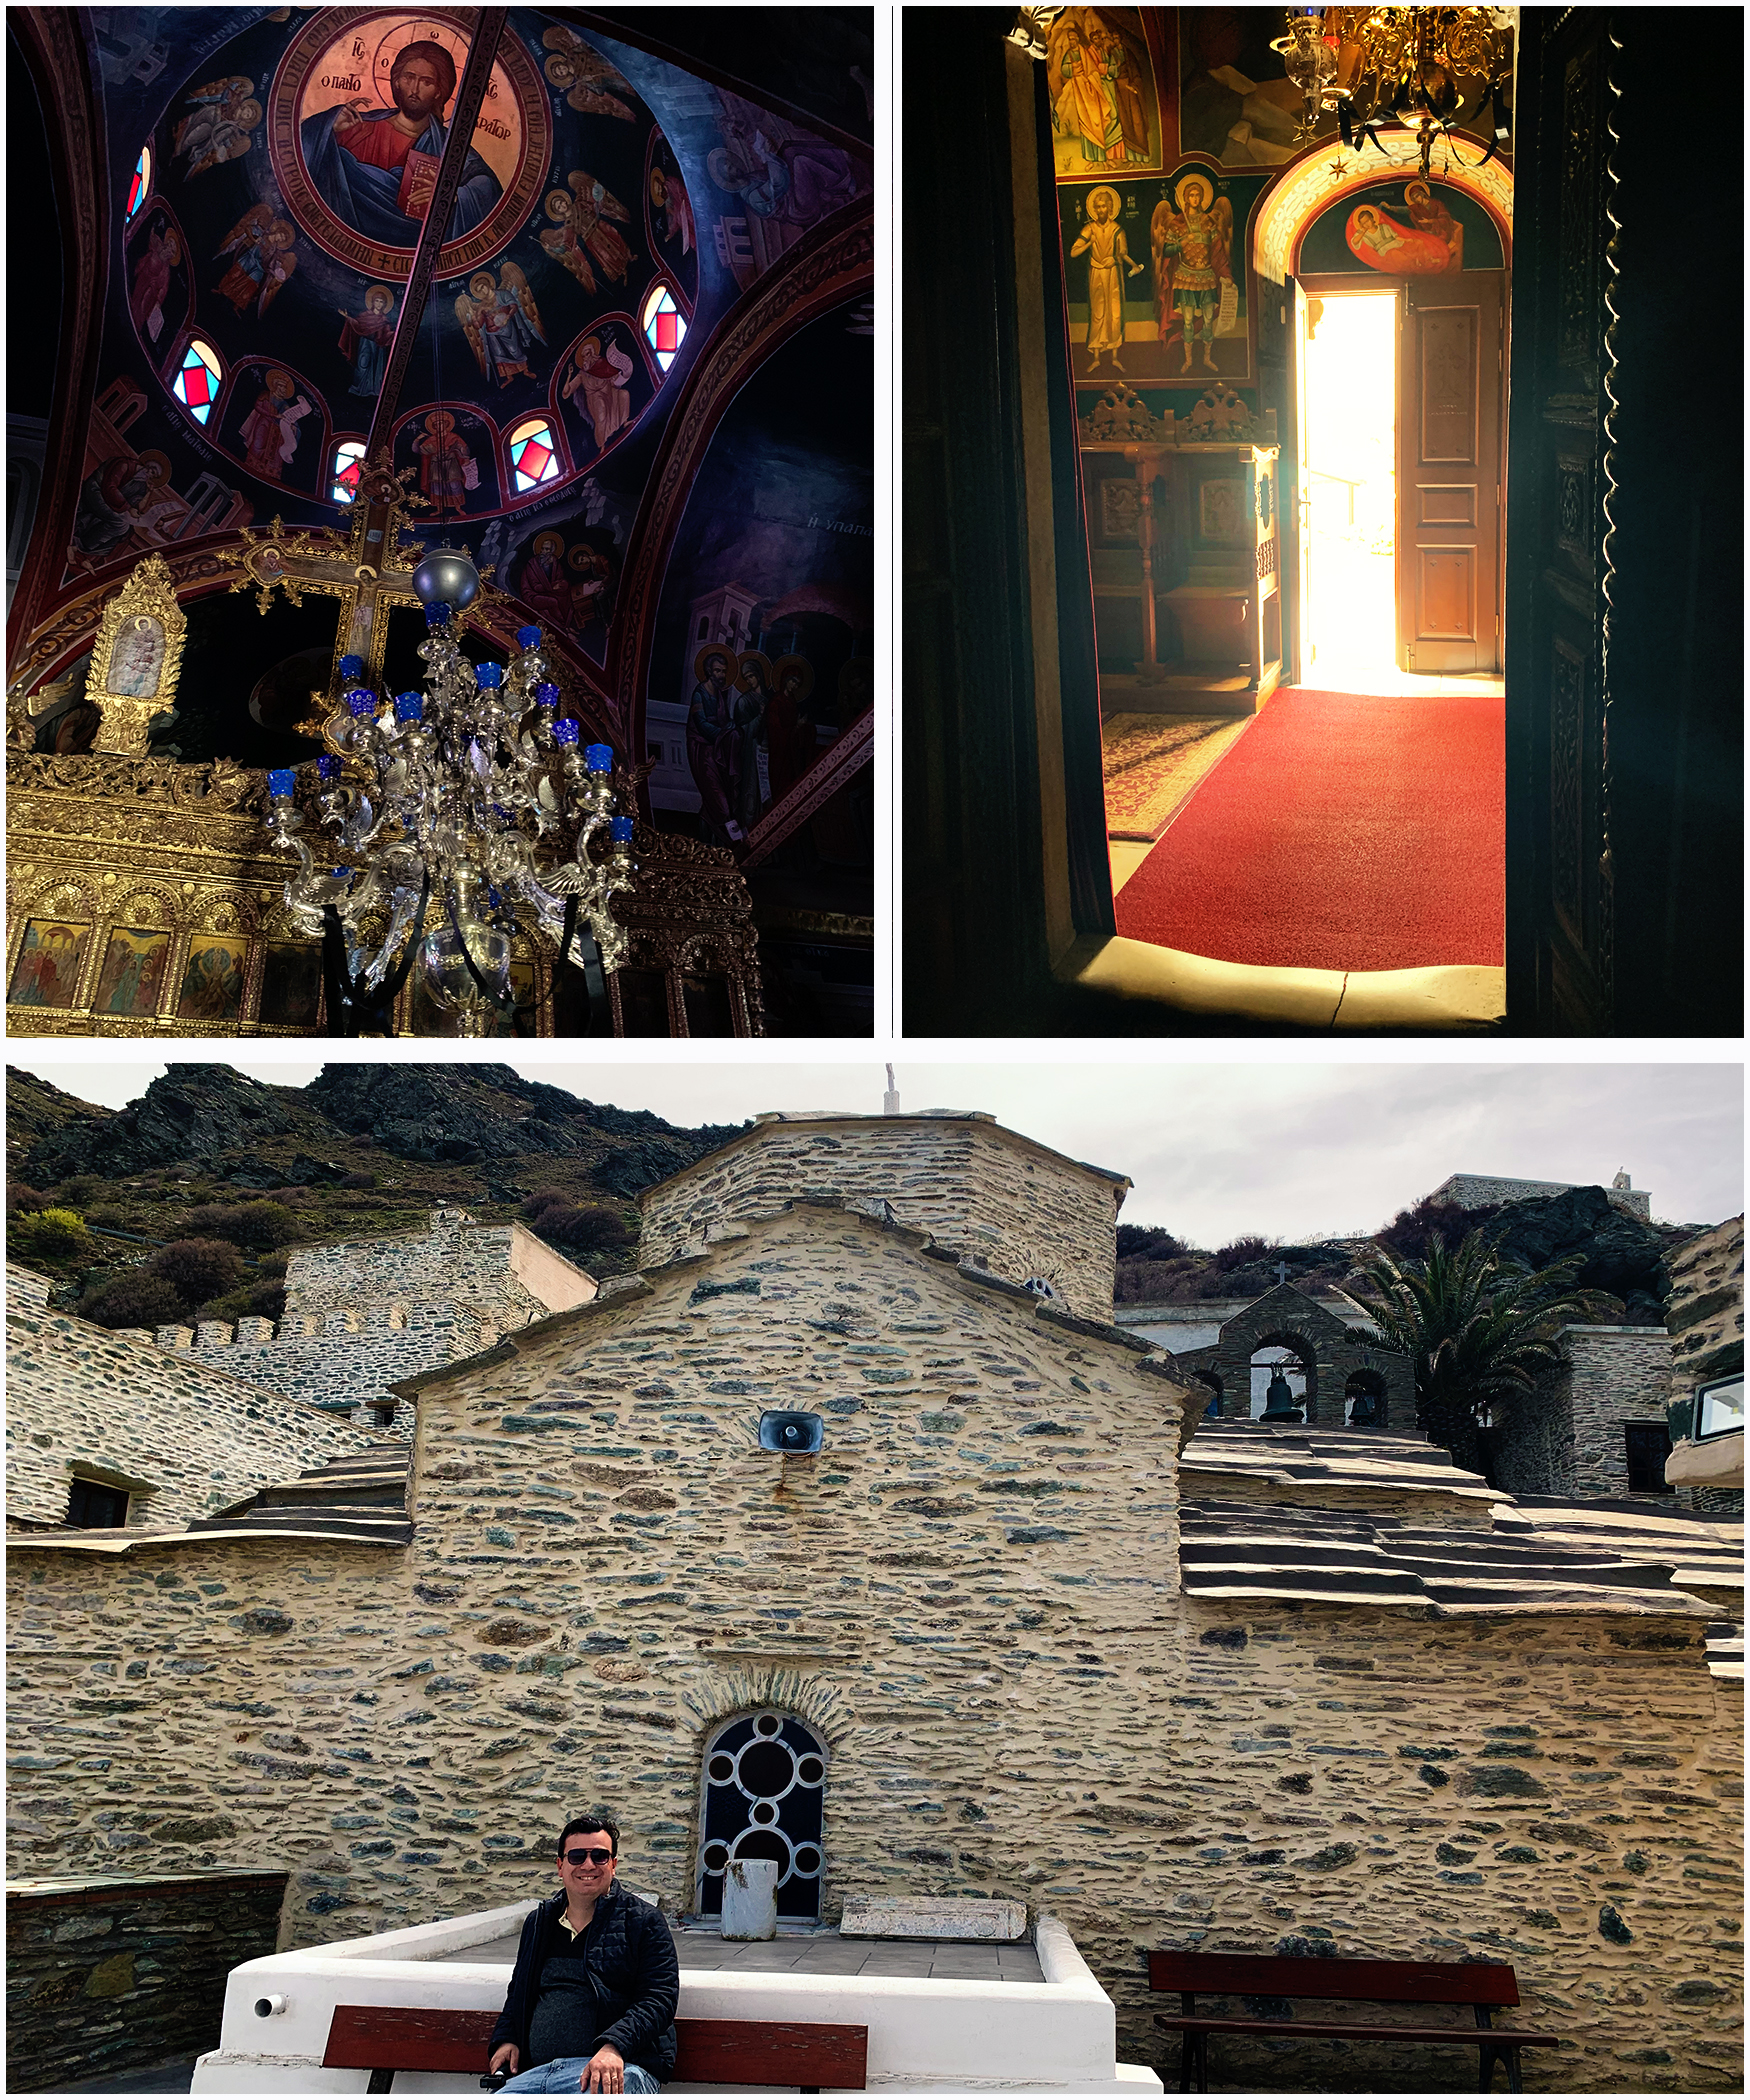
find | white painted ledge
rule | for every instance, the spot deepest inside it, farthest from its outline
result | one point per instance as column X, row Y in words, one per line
column 936, row 2035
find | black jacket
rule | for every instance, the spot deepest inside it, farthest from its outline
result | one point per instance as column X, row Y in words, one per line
column 633, row 1968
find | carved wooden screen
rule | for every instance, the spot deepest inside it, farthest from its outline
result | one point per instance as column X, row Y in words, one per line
column 1559, row 864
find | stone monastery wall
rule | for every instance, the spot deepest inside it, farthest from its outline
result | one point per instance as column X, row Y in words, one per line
column 1706, row 1312
column 1567, row 1438
column 183, row 1438
column 1012, row 1206
column 972, row 1594
column 1473, row 1190
column 361, row 1314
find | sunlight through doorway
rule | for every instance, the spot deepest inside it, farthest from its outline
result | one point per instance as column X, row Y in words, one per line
column 1349, row 487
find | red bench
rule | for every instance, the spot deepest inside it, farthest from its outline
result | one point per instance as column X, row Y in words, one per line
column 1483, row 1986
column 814, row 2055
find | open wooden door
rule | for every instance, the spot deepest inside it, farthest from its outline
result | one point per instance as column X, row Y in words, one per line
column 1300, row 670
column 1450, row 382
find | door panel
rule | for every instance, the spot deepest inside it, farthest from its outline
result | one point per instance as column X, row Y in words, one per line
column 1449, row 472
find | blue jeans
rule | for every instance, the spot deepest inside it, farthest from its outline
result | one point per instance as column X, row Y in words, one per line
column 565, row 2075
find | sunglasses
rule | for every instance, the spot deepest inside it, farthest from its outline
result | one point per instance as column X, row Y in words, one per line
column 596, row 1855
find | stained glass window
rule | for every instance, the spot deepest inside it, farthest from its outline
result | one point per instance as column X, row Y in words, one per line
column 349, row 464
column 665, row 325
column 533, row 458
column 141, row 183
column 197, row 384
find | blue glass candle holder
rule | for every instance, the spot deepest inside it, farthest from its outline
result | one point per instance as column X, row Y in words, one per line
column 599, row 758
column 438, row 615
column 489, row 675
column 547, row 694
column 352, row 667
column 565, row 730
column 620, row 830
column 410, row 707
column 281, row 781
column 528, row 637
column 362, row 701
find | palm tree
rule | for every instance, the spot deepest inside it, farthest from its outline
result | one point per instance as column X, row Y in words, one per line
column 1479, row 1329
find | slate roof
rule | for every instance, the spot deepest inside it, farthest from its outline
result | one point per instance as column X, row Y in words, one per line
column 1537, row 1553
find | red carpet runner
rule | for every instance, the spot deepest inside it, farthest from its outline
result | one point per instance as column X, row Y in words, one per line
column 1341, row 832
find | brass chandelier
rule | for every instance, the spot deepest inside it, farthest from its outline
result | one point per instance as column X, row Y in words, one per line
column 1401, row 65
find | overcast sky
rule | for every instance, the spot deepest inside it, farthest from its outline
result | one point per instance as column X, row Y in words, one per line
column 1287, row 1149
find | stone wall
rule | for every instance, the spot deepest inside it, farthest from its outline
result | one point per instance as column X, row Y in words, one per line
column 1015, row 1207
column 182, row 1436
column 1567, row 1438
column 1474, row 1190
column 1705, row 1319
column 972, row 1593
column 120, row 1972
column 362, row 1314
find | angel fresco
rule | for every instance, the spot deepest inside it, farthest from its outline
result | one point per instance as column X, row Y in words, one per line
column 582, row 75
column 669, row 195
column 502, row 323
column 1193, row 249
column 262, row 247
column 600, row 372
column 221, row 126
column 581, row 223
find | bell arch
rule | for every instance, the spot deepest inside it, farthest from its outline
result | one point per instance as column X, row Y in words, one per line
column 1299, row 1357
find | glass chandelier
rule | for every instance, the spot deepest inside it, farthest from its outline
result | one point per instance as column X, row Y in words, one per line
column 1403, row 65
column 448, row 818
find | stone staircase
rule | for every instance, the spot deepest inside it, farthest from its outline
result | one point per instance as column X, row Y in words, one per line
column 362, row 1497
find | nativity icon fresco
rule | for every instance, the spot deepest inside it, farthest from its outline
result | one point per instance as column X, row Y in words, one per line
column 1430, row 244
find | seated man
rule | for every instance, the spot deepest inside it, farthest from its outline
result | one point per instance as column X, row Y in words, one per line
column 592, row 1998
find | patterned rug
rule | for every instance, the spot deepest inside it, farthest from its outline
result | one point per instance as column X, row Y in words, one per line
column 1154, row 761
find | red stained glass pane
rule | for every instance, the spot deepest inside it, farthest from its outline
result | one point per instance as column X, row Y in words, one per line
column 197, row 388
column 534, row 459
column 134, row 194
column 668, row 334
column 348, row 476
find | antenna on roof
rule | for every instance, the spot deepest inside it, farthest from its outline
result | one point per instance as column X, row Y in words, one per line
column 890, row 1100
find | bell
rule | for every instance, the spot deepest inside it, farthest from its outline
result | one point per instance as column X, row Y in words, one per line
column 447, row 576
column 1280, row 1404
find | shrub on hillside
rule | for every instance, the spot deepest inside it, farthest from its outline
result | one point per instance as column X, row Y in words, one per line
column 197, row 1269
column 258, row 1226
column 545, row 1200
column 582, row 1228
column 77, row 1189
column 358, row 1181
column 1408, row 1234
column 135, row 1298
column 262, row 1299
column 1148, row 1243
column 21, row 1196
column 1241, row 1253
column 55, row 1234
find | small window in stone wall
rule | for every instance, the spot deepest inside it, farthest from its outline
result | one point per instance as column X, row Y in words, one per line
column 1649, row 1445
column 764, row 1792
column 93, row 1507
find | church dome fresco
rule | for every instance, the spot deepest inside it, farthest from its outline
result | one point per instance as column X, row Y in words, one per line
column 273, row 221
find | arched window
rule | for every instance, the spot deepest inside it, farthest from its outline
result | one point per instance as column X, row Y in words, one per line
column 765, row 1786
column 141, row 183
column 1284, row 1362
column 197, row 384
column 533, row 458
column 664, row 325
column 349, row 465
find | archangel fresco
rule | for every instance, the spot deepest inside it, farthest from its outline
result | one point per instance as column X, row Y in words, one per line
column 1100, row 76
column 1155, row 276
column 365, row 338
column 158, row 291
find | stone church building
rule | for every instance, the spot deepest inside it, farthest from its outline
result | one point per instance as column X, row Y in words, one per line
column 849, row 1531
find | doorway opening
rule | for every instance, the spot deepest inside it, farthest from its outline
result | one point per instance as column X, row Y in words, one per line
column 1348, row 492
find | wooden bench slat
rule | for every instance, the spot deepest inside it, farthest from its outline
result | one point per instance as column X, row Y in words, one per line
column 772, row 2052
column 807, row 2053
column 1309, row 1976
column 408, row 2038
column 1355, row 2031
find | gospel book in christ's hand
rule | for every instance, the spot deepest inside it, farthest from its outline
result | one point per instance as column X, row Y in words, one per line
column 418, row 181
